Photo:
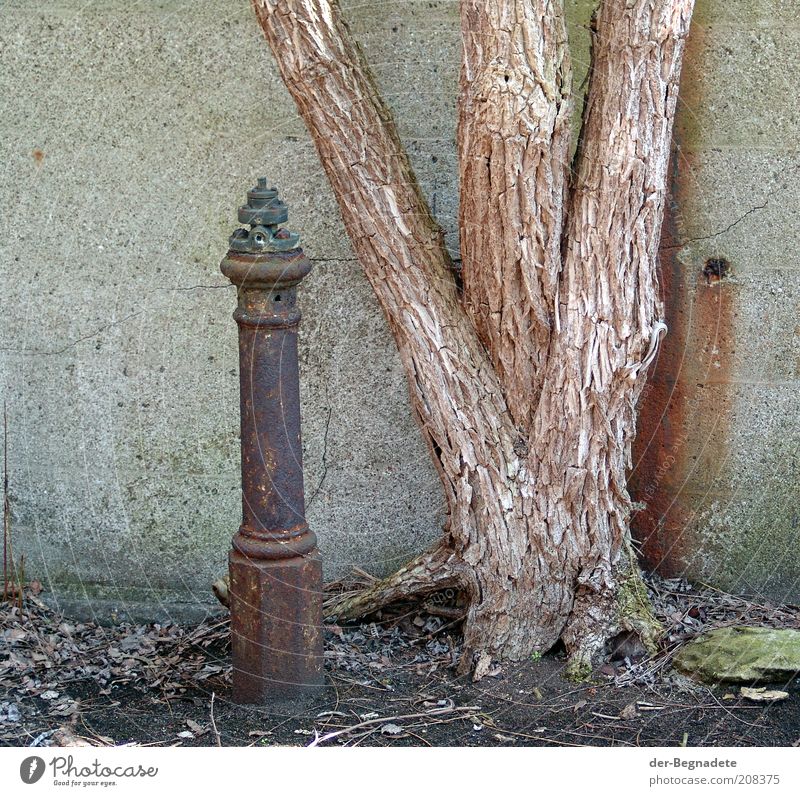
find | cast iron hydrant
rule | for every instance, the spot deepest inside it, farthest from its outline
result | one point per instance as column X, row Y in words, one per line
column 275, row 570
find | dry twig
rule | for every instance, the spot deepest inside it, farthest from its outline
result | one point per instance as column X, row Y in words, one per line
column 431, row 714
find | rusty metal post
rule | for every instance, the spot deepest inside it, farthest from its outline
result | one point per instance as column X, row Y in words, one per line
column 275, row 569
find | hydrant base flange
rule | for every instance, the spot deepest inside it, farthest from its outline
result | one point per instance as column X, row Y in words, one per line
column 276, row 628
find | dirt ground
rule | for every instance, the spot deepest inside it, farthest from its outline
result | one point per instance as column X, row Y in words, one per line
column 389, row 682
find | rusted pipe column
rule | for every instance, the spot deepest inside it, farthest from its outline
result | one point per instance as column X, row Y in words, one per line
column 275, row 569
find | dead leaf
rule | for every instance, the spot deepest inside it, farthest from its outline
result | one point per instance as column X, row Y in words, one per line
column 762, row 695
column 66, row 708
column 629, row 712
column 482, row 667
column 196, row 728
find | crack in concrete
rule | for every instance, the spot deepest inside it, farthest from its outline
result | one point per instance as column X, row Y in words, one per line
column 730, row 226
column 199, row 287
column 722, row 231
column 324, row 458
column 55, row 352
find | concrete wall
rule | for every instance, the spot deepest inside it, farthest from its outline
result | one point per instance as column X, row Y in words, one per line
column 129, row 133
column 717, row 460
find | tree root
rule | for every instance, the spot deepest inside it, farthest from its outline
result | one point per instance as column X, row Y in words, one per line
column 635, row 611
column 437, row 568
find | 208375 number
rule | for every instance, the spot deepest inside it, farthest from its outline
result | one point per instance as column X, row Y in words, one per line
column 758, row 779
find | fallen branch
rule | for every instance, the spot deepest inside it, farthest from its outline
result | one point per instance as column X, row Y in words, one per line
column 434, row 713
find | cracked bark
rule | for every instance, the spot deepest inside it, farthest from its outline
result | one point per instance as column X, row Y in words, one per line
column 513, row 142
column 526, row 391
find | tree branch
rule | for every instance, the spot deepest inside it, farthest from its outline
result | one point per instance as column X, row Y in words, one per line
column 513, row 135
column 609, row 305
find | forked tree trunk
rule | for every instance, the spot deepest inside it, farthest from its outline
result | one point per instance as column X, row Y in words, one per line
column 526, row 388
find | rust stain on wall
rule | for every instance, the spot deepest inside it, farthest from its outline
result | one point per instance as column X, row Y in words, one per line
column 685, row 414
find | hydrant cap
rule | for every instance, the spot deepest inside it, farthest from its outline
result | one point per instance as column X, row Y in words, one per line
column 260, row 195
column 263, row 213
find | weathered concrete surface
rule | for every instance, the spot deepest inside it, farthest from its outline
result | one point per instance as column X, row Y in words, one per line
column 127, row 135
column 130, row 133
column 742, row 654
column 717, row 457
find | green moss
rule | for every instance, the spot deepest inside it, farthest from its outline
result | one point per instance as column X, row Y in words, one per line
column 579, row 668
column 634, row 609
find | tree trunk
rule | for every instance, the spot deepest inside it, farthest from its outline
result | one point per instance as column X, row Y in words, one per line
column 525, row 390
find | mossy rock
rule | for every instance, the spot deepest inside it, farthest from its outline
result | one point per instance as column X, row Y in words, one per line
column 742, row 655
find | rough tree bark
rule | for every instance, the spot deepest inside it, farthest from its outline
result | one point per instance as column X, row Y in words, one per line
column 526, row 386
column 513, row 139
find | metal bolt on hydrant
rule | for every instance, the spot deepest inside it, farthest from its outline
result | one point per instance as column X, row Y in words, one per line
column 275, row 571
